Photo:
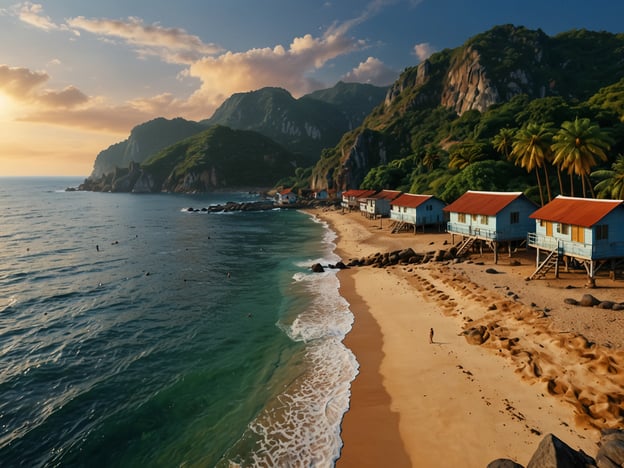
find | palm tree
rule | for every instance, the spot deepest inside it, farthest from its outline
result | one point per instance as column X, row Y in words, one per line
column 464, row 154
column 531, row 150
column 502, row 142
column 611, row 183
column 431, row 158
column 577, row 147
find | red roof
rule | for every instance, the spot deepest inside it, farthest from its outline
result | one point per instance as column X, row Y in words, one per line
column 482, row 203
column 286, row 191
column 386, row 195
column 410, row 200
column 583, row 212
column 358, row 193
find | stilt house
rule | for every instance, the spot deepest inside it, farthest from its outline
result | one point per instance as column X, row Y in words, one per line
column 378, row 205
column 586, row 231
column 351, row 198
column 413, row 211
column 490, row 218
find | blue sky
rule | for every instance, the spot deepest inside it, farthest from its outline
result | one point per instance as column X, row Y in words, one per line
column 77, row 75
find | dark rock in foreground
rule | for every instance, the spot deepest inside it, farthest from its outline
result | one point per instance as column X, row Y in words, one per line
column 554, row 453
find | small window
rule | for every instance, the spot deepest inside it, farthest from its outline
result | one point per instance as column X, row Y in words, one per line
column 514, row 217
column 542, row 223
column 563, row 228
column 475, row 217
column 602, row 232
column 484, row 219
column 461, row 217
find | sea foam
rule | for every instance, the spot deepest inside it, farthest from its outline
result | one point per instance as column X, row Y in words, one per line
column 301, row 427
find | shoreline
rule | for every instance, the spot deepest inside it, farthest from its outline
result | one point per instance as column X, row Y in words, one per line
column 414, row 403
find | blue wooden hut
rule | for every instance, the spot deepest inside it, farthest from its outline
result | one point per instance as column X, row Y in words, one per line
column 378, row 204
column 489, row 218
column 412, row 210
column 590, row 231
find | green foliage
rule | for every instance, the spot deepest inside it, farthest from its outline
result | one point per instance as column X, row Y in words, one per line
column 482, row 175
column 610, row 182
column 224, row 156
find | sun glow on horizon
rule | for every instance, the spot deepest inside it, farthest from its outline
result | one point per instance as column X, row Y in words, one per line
column 6, row 107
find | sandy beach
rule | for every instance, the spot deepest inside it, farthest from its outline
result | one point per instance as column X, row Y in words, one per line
column 545, row 367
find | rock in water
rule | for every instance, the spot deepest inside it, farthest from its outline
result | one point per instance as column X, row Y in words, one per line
column 317, row 268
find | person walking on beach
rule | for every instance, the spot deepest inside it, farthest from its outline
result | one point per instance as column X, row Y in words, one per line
column 431, row 336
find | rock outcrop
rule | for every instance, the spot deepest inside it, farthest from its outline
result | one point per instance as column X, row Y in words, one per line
column 552, row 452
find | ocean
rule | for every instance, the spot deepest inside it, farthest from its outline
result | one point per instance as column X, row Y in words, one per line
column 136, row 333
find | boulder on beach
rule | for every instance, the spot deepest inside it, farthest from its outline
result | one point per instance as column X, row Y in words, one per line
column 317, row 268
column 504, row 463
column 588, row 301
column 476, row 335
column 611, row 452
column 553, row 452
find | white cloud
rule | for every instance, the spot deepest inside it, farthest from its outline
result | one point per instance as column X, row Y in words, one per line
column 31, row 13
column 372, row 71
column 173, row 45
column 219, row 74
column 423, row 50
column 233, row 72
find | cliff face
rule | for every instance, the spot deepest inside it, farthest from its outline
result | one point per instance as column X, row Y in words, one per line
column 468, row 86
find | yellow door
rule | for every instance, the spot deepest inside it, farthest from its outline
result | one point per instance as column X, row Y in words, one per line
column 549, row 228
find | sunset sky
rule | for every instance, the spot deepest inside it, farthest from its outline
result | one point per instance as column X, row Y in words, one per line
column 76, row 75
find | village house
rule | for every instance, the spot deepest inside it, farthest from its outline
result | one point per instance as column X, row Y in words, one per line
column 584, row 231
column 351, row 198
column 378, row 205
column 321, row 194
column 286, row 197
column 490, row 218
column 412, row 211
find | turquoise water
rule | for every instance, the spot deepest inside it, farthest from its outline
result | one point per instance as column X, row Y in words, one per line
column 135, row 333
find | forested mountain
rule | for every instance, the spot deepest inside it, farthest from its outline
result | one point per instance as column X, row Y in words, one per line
column 306, row 125
column 144, row 140
column 216, row 158
column 303, row 126
column 457, row 120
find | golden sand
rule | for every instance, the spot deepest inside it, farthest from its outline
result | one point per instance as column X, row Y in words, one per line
column 546, row 367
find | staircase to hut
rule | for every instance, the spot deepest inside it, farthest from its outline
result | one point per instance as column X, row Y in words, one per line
column 551, row 261
column 465, row 246
column 398, row 226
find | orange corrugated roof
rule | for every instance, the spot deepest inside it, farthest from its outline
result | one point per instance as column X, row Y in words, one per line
column 357, row 193
column 482, row 203
column 576, row 211
column 386, row 195
column 411, row 200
